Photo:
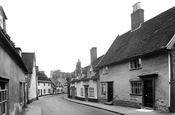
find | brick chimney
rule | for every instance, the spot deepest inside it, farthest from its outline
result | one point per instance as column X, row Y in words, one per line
column 137, row 17
column 93, row 54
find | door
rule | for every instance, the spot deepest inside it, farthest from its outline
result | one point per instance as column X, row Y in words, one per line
column 110, row 91
column 86, row 92
column 148, row 93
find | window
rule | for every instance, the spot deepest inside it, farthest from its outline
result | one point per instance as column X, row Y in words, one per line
column 105, row 70
column 81, row 91
column 38, row 84
column 44, row 91
column 135, row 64
column 3, row 99
column 136, row 87
column 91, row 92
column 44, row 84
column 103, row 91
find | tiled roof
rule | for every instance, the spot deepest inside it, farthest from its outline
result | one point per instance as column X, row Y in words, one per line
column 85, row 69
column 94, row 64
column 28, row 59
column 42, row 76
column 152, row 36
column 95, row 77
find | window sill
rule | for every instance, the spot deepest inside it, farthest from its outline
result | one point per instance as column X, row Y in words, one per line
column 135, row 94
column 135, row 69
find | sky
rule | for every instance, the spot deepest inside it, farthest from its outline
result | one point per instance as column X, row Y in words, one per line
column 62, row 31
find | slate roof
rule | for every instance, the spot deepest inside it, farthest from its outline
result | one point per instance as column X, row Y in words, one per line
column 28, row 59
column 152, row 36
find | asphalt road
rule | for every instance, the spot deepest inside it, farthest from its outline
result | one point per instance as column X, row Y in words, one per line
column 56, row 105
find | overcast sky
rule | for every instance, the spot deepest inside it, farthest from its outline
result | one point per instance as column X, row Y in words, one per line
column 62, row 31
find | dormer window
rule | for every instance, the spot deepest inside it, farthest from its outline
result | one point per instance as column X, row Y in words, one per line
column 105, row 70
column 135, row 64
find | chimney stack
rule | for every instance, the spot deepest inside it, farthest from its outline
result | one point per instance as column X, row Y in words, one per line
column 93, row 53
column 137, row 17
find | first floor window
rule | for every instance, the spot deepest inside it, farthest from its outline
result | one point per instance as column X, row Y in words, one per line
column 91, row 92
column 81, row 91
column 136, row 87
column 135, row 64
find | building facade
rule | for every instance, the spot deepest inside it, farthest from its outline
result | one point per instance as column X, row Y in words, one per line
column 85, row 84
column 138, row 68
column 12, row 74
column 44, row 84
column 32, row 78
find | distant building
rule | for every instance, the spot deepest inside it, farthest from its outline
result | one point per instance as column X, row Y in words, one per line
column 85, row 82
column 44, row 84
column 12, row 73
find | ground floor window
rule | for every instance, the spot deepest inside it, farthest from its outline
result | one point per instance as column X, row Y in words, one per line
column 136, row 87
column 103, row 88
column 81, row 91
column 44, row 91
column 3, row 99
column 91, row 92
column 49, row 91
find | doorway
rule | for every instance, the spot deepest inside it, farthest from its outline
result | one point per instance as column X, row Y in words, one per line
column 110, row 91
column 148, row 93
column 86, row 92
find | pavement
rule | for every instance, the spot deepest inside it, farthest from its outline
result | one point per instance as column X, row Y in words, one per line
column 35, row 110
column 119, row 109
column 32, row 110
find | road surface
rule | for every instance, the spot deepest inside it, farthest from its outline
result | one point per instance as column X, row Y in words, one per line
column 56, row 105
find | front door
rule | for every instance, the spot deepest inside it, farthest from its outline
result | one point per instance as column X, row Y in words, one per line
column 86, row 92
column 110, row 91
column 148, row 93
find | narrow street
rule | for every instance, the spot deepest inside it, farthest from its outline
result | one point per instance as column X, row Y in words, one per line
column 56, row 105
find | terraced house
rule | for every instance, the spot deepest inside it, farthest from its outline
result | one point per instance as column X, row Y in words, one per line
column 85, row 85
column 32, row 78
column 44, row 84
column 138, row 69
column 12, row 73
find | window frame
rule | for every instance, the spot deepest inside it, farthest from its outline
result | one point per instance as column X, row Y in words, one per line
column 91, row 92
column 135, row 64
column 81, row 90
column 105, row 70
column 103, row 89
column 136, row 88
